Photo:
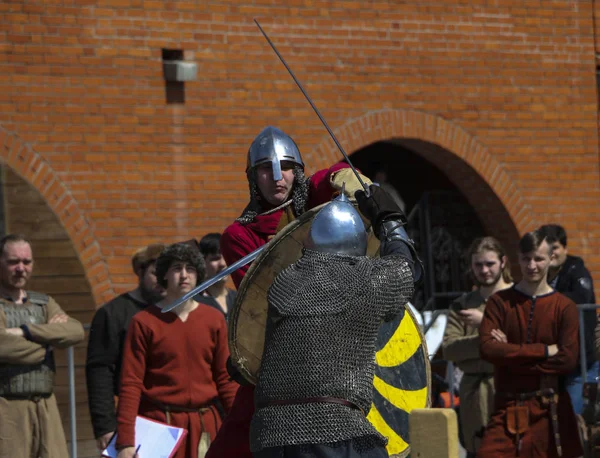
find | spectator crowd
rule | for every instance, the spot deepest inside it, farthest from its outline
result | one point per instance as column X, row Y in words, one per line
column 516, row 343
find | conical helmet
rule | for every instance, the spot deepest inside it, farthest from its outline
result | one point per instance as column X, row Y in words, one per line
column 273, row 145
column 338, row 228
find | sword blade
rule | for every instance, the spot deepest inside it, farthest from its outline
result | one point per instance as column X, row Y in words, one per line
column 211, row 281
column 316, row 110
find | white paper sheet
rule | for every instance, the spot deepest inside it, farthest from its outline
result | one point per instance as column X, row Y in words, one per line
column 155, row 439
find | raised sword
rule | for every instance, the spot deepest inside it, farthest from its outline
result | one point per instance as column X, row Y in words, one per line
column 252, row 256
column 316, row 110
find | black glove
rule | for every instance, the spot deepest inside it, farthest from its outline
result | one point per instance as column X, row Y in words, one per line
column 378, row 207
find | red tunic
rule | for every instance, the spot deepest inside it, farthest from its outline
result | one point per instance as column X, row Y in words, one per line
column 233, row 440
column 175, row 363
column 521, row 366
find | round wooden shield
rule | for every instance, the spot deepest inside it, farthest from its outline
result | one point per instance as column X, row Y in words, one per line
column 402, row 377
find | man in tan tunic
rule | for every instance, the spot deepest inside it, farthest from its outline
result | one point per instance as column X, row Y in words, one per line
column 31, row 325
column 490, row 272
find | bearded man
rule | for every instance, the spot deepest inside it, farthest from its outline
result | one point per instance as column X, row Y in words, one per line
column 490, row 271
column 32, row 325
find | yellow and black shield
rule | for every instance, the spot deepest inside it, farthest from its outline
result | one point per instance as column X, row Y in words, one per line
column 402, row 376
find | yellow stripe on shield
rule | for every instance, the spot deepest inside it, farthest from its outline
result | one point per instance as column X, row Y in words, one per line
column 396, row 444
column 405, row 341
column 401, row 382
column 402, row 399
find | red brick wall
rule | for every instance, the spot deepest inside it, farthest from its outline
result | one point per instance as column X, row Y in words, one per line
column 509, row 90
column 596, row 7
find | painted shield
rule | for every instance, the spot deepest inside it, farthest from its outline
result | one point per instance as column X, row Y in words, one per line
column 402, row 376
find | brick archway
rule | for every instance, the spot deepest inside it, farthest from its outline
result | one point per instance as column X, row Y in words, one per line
column 32, row 167
column 452, row 149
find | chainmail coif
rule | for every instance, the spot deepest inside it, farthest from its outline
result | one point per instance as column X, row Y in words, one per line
column 324, row 315
column 299, row 195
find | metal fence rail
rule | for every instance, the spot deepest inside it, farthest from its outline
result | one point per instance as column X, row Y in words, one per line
column 72, row 400
column 582, row 350
column 72, row 408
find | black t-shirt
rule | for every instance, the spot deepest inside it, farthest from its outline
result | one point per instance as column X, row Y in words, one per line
column 104, row 358
column 209, row 300
column 575, row 282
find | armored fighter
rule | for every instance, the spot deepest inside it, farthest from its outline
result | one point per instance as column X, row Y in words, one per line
column 315, row 383
column 279, row 193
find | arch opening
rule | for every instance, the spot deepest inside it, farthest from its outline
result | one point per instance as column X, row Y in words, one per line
column 448, row 204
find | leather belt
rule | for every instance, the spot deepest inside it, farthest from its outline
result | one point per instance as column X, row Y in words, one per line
column 316, row 400
column 548, row 397
column 171, row 408
column 25, row 397
column 210, row 406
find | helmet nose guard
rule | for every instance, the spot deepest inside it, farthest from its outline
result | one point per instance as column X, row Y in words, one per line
column 274, row 146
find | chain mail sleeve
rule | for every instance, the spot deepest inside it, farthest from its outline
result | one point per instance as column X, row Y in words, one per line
column 392, row 283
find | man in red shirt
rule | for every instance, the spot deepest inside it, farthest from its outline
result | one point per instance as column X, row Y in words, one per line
column 279, row 192
column 530, row 333
column 174, row 364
